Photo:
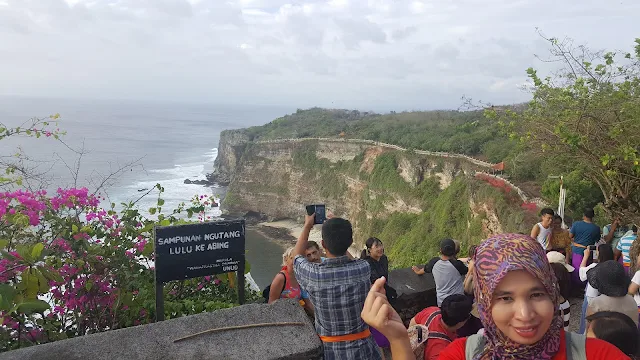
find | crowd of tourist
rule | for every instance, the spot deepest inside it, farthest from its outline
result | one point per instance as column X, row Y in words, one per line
column 509, row 299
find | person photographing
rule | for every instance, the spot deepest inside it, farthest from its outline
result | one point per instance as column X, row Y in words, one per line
column 337, row 287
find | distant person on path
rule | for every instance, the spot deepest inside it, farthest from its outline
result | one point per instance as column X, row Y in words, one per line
column 447, row 272
column 612, row 233
column 285, row 285
column 563, row 271
column 542, row 230
column 616, row 329
column 379, row 264
column 583, row 233
column 560, row 240
column 568, row 222
column 624, row 246
column 518, row 303
column 313, row 253
column 605, row 253
column 611, row 281
column 338, row 288
column 445, row 320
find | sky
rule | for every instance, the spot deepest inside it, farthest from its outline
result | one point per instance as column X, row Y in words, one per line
column 368, row 54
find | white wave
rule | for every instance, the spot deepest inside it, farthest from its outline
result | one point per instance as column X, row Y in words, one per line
column 212, row 155
column 185, row 171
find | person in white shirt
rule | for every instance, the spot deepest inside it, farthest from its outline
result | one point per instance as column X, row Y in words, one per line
column 542, row 230
column 605, row 253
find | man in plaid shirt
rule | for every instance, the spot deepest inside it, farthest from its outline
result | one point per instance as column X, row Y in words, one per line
column 338, row 288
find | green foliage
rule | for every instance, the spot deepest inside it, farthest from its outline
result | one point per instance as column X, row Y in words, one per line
column 581, row 193
column 412, row 239
column 93, row 266
column 449, row 131
column 385, row 174
column 588, row 116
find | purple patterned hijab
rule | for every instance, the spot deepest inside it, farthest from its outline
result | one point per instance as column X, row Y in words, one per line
column 494, row 258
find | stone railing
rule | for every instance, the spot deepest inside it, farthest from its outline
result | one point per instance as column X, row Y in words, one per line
column 539, row 202
column 385, row 145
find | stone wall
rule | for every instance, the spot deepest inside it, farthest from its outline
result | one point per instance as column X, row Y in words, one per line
column 156, row 341
column 415, row 292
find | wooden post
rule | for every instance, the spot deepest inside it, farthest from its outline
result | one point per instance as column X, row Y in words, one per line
column 240, row 284
column 159, row 301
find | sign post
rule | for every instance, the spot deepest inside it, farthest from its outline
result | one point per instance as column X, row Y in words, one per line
column 194, row 250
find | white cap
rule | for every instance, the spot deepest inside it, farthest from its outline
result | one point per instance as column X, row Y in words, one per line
column 557, row 257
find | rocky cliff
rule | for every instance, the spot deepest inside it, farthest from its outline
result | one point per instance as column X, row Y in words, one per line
column 382, row 189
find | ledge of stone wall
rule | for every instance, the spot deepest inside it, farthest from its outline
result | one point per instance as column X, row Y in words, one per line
column 155, row 341
column 415, row 292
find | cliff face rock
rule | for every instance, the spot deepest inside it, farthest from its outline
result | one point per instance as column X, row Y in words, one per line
column 230, row 150
column 360, row 180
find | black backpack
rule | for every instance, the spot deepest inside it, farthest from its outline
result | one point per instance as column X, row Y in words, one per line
column 267, row 290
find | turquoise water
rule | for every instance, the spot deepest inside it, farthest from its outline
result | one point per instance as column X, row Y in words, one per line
column 264, row 256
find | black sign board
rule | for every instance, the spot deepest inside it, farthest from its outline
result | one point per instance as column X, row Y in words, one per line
column 187, row 251
column 193, row 250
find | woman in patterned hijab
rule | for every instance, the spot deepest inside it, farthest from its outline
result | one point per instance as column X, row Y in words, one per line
column 517, row 298
column 509, row 268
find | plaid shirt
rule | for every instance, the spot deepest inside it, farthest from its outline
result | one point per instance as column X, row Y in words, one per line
column 338, row 288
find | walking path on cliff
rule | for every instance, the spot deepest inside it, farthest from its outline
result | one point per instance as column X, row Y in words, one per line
column 484, row 164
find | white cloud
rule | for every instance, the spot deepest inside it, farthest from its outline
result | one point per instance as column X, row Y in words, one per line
column 381, row 54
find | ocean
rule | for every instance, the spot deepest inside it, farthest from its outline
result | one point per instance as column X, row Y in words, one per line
column 162, row 142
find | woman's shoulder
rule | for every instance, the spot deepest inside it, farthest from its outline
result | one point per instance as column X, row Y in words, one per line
column 597, row 349
column 455, row 350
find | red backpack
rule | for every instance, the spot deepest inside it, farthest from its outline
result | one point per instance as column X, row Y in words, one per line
column 419, row 334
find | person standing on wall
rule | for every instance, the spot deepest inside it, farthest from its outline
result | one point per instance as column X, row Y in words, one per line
column 379, row 264
column 542, row 230
column 583, row 234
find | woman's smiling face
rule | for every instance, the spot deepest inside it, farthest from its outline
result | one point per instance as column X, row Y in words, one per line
column 521, row 308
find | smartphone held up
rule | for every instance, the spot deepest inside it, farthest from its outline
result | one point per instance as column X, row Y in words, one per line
column 594, row 252
column 321, row 212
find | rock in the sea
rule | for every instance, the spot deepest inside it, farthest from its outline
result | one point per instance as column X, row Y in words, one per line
column 197, row 182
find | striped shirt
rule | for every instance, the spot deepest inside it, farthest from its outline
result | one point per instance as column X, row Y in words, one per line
column 565, row 312
column 337, row 288
column 624, row 245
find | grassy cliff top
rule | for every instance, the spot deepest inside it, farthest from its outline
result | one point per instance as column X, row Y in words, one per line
column 449, row 131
